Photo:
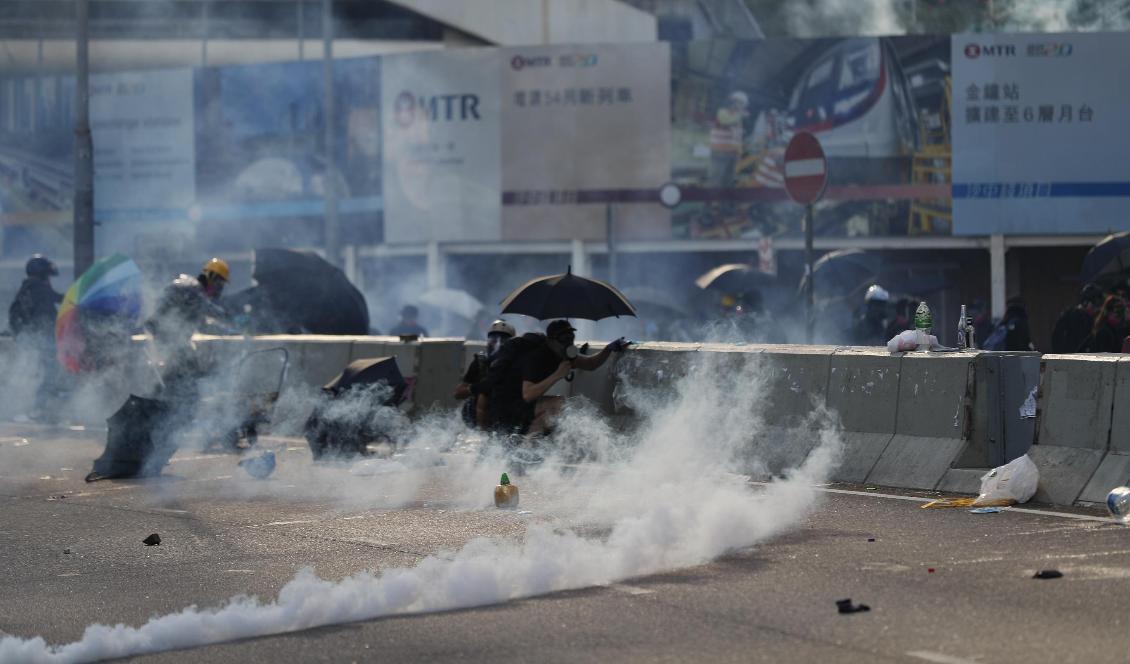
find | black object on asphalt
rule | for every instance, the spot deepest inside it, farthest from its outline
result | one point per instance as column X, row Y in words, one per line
column 300, row 292
column 152, row 540
column 138, row 441
column 349, row 414
column 1108, row 262
column 735, row 278
column 1048, row 574
column 845, row 606
column 567, row 296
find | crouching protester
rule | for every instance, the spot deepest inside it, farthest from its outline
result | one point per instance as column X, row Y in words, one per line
column 527, row 367
column 473, row 388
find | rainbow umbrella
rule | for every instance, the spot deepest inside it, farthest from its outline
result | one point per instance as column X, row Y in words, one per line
column 106, row 297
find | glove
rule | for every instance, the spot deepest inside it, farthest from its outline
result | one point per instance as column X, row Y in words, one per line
column 619, row 346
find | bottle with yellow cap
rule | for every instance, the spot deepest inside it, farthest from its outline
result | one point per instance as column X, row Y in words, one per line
column 505, row 494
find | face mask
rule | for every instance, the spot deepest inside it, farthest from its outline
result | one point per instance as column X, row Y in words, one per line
column 494, row 342
column 571, row 352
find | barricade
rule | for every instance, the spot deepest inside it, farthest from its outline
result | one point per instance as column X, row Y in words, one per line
column 863, row 390
column 439, row 369
column 1073, row 423
column 934, row 419
column 1114, row 470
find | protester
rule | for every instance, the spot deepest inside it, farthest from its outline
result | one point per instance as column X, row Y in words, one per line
column 527, row 367
column 870, row 329
column 1012, row 333
column 409, row 326
column 1106, row 334
column 903, row 315
column 726, row 139
column 1073, row 327
column 31, row 318
column 472, row 389
column 187, row 305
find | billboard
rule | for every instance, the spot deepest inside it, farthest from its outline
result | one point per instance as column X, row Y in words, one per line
column 1038, row 142
column 879, row 107
column 142, row 130
column 441, row 157
column 584, row 127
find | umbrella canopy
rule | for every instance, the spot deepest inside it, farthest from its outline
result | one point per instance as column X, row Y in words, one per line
column 368, row 371
column 841, row 273
column 105, row 298
column 301, row 289
column 1108, row 261
column 458, row 302
column 735, row 278
column 137, row 441
column 567, row 296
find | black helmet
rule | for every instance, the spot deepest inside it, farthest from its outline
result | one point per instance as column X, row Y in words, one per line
column 1093, row 294
column 39, row 266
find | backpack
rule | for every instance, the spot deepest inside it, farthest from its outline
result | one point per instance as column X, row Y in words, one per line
column 510, row 355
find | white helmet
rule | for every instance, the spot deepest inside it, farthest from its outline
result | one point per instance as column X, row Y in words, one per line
column 740, row 97
column 501, row 327
column 877, row 293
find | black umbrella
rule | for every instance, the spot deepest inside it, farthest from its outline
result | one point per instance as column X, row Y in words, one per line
column 138, row 440
column 844, row 272
column 302, row 290
column 1108, row 261
column 735, row 278
column 656, row 301
column 369, row 371
column 567, row 296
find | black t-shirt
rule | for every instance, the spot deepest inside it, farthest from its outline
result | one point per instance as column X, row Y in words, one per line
column 539, row 365
column 476, row 371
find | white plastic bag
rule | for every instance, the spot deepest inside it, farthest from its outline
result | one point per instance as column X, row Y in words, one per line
column 1014, row 482
column 912, row 340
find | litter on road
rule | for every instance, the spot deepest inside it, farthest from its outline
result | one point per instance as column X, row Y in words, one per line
column 1048, row 574
column 152, row 540
column 845, row 606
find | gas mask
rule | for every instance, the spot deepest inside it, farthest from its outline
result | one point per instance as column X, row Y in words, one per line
column 563, row 346
column 494, row 342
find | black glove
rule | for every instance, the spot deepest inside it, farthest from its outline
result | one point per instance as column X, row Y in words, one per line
column 619, row 346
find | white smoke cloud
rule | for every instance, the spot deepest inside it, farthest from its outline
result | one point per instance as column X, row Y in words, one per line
column 664, row 497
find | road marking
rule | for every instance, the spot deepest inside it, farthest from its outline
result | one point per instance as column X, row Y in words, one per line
column 940, row 658
column 631, row 590
column 288, row 523
column 240, row 571
column 916, row 499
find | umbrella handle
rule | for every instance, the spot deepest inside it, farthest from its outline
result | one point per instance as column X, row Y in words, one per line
column 570, row 376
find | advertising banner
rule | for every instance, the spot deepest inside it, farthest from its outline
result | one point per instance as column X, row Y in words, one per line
column 585, row 127
column 142, row 127
column 1038, row 142
column 878, row 106
column 442, row 170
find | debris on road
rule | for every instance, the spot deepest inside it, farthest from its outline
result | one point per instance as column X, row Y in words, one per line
column 985, row 510
column 1118, row 504
column 152, row 540
column 845, row 606
column 1014, row 482
column 870, row 539
column 66, row 550
column 259, row 467
column 1048, row 574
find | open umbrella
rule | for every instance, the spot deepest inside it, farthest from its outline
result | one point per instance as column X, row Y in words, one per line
column 370, row 371
column 104, row 299
column 138, row 441
column 302, row 290
column 1108, row 261
column 567, row 296
column 735, row 278
column 645, row 298
column 458, row 302
column 843, row 272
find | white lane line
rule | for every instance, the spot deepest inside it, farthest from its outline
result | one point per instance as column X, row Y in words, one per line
column 630, row 590
column 288, row 523
column 940, row 658
column 1023, row 510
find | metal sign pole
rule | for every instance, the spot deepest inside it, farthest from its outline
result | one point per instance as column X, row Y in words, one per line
column 332, row 229
column 84, row 148
column 809, row 292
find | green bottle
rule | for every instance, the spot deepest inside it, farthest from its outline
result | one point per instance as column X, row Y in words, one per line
column 505, row 494
column 923, row 319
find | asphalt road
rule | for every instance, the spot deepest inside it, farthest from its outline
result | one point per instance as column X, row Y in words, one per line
column 943, row 585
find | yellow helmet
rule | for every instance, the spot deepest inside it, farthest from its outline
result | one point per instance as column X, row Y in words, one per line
column 216, row 268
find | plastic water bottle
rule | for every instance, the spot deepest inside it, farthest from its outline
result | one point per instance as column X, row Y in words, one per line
column 1118, row 504
column 505, row 494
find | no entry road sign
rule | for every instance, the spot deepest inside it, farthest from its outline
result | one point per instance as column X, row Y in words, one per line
column 806, row 169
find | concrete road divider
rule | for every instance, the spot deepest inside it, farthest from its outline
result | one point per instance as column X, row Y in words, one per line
column 863, row 390
column 1114, row 470
column 1073, row 420
column 933, row 421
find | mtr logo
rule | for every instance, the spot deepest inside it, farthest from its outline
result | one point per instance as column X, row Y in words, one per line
column 409, row 107
column 973, row 51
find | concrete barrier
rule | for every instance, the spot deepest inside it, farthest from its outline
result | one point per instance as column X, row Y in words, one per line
column 1073, row 423
column 1114, row 470
column 863, row 390
column 934, row 419
column 440, row 366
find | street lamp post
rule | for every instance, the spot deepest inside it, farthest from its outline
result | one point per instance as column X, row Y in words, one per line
column 84, row 148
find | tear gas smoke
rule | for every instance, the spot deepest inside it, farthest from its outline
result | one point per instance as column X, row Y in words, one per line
column 665, row 496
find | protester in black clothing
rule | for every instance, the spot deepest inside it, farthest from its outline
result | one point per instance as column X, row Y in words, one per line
column 1012, row 333
column 527, row 367
column 870, row 329
column 1073, row 327
column 408, row 325
column 1106, row 335
column 473, row 387
column 31, row 318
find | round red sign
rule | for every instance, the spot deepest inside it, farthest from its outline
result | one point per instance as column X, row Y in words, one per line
column 806, row 169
